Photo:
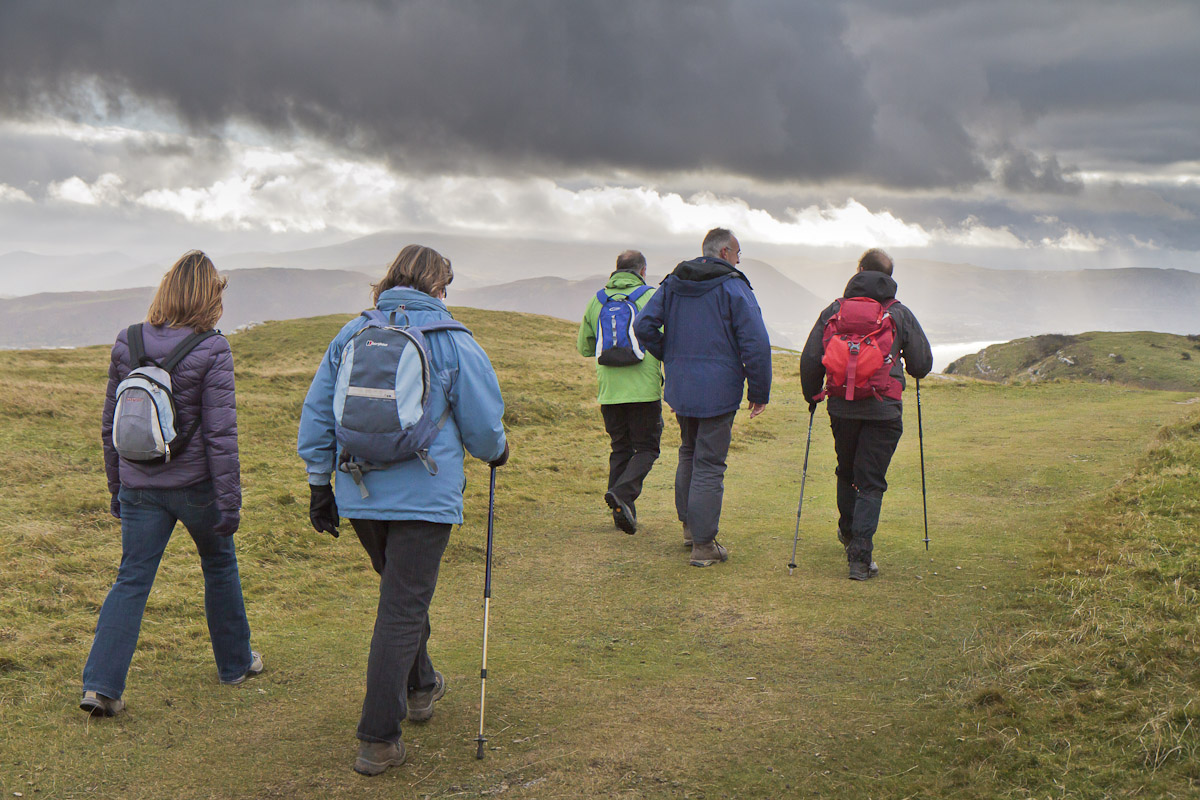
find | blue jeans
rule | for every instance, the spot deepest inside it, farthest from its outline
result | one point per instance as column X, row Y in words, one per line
column 148, row 517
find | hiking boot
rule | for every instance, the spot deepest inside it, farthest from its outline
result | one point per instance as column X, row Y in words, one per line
column 862, row 572
column 687, row 535
column 705, row 555
column 420, row 704
column 256, row 668
column 623, row 515
column 375, row 757
column 98, row 705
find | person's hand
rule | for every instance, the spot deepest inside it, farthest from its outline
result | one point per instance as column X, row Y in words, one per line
column 812, row 406
column 114, row 507
column 228, row 524
column 502, row 460
column 756, row 409
column 322, row 509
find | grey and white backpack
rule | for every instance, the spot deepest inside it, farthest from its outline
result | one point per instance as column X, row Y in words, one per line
column 144, row 420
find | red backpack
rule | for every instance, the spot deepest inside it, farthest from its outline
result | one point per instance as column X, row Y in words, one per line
column 858, row 351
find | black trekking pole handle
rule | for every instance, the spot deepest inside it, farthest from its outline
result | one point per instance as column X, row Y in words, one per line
column 921, row 440
column 481, row 740
column 803, row 476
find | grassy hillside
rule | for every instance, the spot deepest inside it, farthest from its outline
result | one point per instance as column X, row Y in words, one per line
column 1141, row 358
column 615, row 670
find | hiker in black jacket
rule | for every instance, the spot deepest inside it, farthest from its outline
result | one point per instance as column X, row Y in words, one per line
column 865, row 431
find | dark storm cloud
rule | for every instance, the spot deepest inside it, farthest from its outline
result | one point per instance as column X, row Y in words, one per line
column 1023, row 172
column 764, row 88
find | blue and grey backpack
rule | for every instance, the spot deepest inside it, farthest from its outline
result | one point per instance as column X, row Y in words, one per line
column 616, row 345
column 383, row 394
column 144, row 418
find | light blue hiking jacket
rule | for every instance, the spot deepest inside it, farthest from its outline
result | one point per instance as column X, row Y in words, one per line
column 406, row 490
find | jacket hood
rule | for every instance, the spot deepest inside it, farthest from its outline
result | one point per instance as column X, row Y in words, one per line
column 411, row 299
column 624, row 280
column 702, row 275
column 872, row 284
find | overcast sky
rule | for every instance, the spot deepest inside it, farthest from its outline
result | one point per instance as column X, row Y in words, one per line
column 1016, row 133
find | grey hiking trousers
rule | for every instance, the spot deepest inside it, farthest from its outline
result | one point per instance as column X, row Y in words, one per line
column 700, row 476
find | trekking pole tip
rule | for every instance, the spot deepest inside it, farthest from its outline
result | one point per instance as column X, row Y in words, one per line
column 479, row 740
column 790, row 568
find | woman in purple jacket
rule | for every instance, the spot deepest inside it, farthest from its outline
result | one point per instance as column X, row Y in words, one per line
column 199, row 486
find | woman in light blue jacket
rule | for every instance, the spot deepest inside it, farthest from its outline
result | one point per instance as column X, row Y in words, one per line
column 403, row 512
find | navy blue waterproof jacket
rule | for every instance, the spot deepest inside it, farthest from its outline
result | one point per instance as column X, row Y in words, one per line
column 707, row 329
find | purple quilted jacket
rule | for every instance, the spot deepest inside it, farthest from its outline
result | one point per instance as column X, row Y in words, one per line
column 202, row 385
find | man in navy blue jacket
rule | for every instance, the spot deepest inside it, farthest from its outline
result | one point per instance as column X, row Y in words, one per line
column 707, row 329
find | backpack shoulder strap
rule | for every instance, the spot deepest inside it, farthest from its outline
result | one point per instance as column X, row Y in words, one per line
column 602, row 297
column 443, row 325
column 375, row 315
column 637, row 293
column 137, row 346
column 183, row 348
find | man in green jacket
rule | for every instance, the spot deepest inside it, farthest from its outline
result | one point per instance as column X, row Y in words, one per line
column 631, row 394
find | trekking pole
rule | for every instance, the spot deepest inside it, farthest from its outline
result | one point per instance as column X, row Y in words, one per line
column 487, row 596
column 921, row 439
column 803, row 475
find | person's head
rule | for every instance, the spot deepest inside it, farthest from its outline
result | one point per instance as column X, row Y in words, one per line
column 417, row 267
column 875, row 260
column 631, row 261
column 189, row 294
column 721, row 243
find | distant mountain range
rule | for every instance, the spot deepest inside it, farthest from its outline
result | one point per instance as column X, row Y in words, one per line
column 954, row 302
column 254, row 295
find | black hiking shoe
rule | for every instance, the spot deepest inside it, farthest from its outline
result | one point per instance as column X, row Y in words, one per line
column 420, row 704
column 861, row 572
column 623, row 516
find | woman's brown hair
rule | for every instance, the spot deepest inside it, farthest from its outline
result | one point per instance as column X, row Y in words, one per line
column 418, row 267
column 190, row 294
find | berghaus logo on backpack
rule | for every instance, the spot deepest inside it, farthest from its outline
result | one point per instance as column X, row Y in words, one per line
column 144, row 418
column 616, row 344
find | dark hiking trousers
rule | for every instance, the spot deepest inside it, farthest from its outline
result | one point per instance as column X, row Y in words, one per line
column 700, row 476
column 635, row 430
column 406, row 554
column 864, row 450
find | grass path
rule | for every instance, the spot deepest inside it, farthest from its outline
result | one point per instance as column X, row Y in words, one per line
column 615, row 669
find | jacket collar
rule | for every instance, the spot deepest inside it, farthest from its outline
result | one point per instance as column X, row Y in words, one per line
column 411, row 299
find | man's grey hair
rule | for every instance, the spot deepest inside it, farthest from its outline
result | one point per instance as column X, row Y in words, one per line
column 717, row 240
column 631, row 261
column 875, row 260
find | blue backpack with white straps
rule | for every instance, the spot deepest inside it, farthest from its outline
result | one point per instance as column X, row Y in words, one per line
column 616, row 344
column 383, row 395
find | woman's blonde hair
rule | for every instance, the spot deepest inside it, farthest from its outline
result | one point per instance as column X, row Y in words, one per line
column 418, row 267
column 190, row 294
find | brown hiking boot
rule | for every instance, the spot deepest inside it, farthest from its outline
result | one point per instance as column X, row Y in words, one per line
column 687, row 535
column 100, row 706
column 375, row 757
column 705, row 555
column 420, row 704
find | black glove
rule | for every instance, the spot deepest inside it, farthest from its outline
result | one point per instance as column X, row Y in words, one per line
column 114, row 507
column 812, row 406
column 228, row 524
column 502, row 460
column 322, row 509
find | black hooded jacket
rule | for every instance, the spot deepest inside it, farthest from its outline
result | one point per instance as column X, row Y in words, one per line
column 910, row 343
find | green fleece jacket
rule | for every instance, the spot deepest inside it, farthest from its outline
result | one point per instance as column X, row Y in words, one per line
column 640, row 383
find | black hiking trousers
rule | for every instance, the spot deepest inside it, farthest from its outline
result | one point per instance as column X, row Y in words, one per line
column 407, row 555
column 635, row 430
column 864, row 450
